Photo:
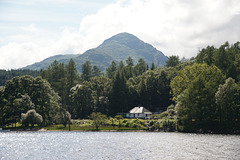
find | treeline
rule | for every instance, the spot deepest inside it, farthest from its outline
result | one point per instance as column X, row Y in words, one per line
column 9, row 74
column 206, row 92
column 25, row 93
column 199, row 95
column 60, row 87
column 119, row 89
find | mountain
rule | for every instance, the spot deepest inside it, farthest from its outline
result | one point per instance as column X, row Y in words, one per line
column 117, row 48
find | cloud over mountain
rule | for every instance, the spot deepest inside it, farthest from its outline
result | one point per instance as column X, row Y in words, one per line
column 175, row 27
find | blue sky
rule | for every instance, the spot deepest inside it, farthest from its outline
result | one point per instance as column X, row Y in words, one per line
column 50, row 15
column 32, row 30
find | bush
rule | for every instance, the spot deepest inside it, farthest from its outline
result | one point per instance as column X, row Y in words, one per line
column 167, row 124
column 125, row 121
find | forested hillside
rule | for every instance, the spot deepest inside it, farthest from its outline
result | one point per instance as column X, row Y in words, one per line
column 200, row 95
column 7, row 75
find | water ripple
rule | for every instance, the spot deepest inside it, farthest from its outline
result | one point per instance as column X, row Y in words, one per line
column 117, row 145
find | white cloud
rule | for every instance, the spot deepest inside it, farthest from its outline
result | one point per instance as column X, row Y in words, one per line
column 180, row 27
column 30, row 28
column 176, row 27
column 14, row 55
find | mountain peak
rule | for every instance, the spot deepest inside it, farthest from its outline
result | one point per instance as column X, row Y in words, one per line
column 122, row 38
column 116, row 48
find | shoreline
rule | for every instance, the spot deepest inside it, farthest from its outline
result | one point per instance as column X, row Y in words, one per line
column 46, row 130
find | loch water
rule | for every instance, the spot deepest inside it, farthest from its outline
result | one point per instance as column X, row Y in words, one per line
column 76, row 145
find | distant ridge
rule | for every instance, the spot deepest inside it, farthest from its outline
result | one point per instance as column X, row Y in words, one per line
column 117, row 48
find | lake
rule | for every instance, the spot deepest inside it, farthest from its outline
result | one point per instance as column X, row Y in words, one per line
column 117, row 145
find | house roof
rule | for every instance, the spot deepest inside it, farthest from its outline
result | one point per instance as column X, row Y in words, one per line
column 140, row 110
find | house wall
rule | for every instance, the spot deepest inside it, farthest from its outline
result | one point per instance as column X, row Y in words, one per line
column 137, row 115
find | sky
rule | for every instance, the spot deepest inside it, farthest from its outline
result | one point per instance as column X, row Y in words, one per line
column 32, row 30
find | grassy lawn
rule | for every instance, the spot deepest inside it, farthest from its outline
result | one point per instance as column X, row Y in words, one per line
column 87, row 125
column 88, row 128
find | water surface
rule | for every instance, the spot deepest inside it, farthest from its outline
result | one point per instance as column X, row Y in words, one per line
column 117, row 145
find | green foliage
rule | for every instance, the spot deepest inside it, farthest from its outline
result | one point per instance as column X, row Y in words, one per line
column 83, row 100
column 195, row 91
column 119, row 119
column 100, row 87
column 168, row 125
column 226, row 58
column 228, row 101
column 86, row 71
column 172, row 61
column 211, row 75
column 140, row 68
column 118, row 94
column 6, row 75
column 151, row 89
column 111, row 70
column 63, row 117
column 24, row 93
column 98, row 119
column 62, row 78
column 203, row 104
column 96, row 72
column 31, row 117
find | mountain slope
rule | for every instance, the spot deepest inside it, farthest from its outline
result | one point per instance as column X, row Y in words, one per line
column 117, row 48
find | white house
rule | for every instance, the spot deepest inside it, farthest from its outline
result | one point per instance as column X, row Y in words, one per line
column 139, row 112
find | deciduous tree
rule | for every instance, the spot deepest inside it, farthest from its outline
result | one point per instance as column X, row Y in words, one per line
column 98, row 119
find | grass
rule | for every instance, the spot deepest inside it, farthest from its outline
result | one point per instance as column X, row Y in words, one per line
column 87, row 128
column 87, row 125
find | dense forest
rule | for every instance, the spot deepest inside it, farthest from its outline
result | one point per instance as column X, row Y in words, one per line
column 199, row 95
column 7, row 75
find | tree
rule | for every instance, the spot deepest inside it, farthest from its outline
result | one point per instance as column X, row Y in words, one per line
column 2, row 107
column 21, row 105
column 96, row 72
column 206, row 55
column 227, row 99
column 112, row 121
column 111, row 70
column 189, row 73
column 102, row 104
column 11, row 92
column 46, row 100
column 98, row 119
column 71, row 80
column 221, row 57
column 194, row 89
column 100, row 86
column 6, row 75
column 86, row 71
column 129, row 62
column 63, row 117
column 140, row 68
column 129, row 72
column 153, row 66
column 31, row 117
column 71, row 74
column 151, row 90
column 119, row 94
column 172, row 61
column 83, row 100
